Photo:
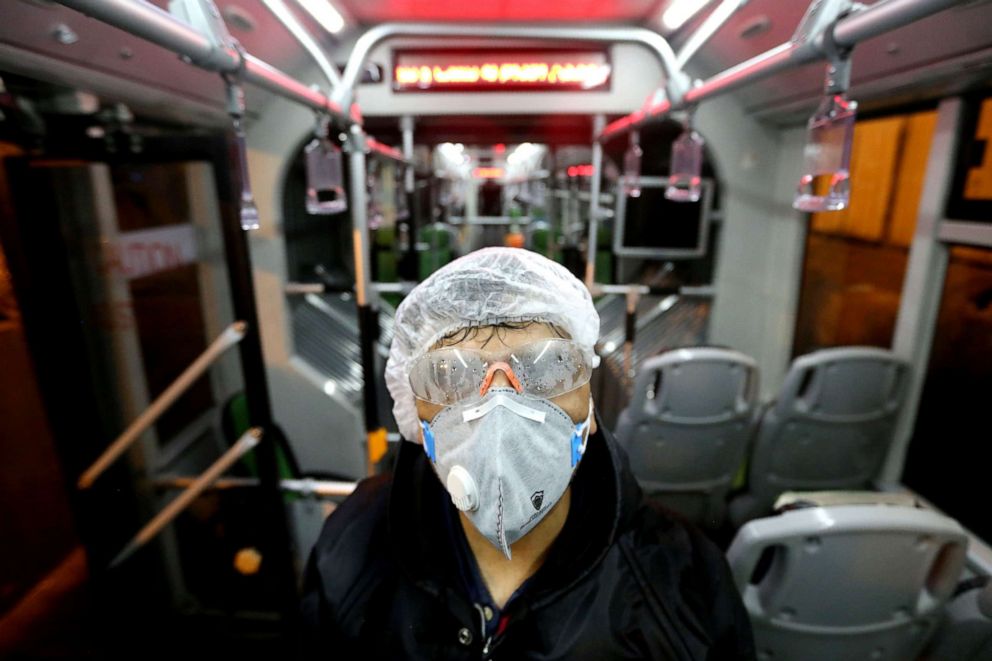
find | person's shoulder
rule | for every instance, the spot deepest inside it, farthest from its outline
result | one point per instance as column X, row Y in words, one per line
column 354, row 531
column 655, row 526
column 359, row 514
column 350, row 555
column 661, row 535
column 686, row 569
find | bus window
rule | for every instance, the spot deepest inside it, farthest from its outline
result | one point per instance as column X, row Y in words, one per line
column 952, row 423
column 856, row 258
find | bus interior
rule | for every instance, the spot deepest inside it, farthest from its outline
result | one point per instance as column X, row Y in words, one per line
column 210, row 210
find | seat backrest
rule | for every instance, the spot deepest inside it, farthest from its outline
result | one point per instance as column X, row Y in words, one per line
column 831, row 425
column 688, row 424
column 847, row 582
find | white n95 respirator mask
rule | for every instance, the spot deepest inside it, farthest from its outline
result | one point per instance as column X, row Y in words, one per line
column 505, row 459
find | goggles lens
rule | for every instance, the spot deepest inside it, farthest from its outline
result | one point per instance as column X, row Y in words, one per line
column 544, row 369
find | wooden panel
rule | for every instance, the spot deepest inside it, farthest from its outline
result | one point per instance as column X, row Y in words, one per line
column 8, row 304
column 909, row 180
column 972, row 255
column 36, row 528
column 874, row 157
column 850, row 293
column 978, row 184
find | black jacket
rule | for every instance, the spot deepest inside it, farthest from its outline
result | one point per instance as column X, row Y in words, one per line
column 624, row 580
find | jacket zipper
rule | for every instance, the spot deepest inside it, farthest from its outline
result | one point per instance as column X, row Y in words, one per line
column 482, row 630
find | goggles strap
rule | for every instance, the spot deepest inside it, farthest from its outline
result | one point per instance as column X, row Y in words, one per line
column 578, row 440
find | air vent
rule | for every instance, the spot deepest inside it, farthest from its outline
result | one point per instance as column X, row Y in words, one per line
column 756, row 26
column 239, row 18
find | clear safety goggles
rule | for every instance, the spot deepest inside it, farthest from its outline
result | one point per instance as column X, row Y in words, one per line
column 543, row 369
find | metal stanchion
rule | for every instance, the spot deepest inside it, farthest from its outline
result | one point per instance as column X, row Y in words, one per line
column 231, row 336
column 247, row 441
column 368, row 321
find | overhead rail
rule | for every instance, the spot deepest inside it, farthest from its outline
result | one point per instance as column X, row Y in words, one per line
column 227, row 339
column 842, row 34
column 676, row 83
column 145, row 20
column 381, row 150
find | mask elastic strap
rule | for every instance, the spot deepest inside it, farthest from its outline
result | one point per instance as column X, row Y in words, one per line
column 578, row 442
column 429, row 441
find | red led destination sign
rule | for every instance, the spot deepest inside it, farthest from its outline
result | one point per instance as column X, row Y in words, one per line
column 488, row 173
column 518, row 70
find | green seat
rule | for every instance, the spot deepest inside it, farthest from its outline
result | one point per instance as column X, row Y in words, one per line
column 438, row 251
column 235, row 421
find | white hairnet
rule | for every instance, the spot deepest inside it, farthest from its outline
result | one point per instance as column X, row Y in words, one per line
column 488, row 286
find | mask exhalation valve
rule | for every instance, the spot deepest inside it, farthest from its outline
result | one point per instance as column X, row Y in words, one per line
column 461, row 486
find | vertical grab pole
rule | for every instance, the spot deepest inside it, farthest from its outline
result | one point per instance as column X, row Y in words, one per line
column 368, row 321
column 630, row 335
column 409, row 182
column 406, row 127
column 239, row 273
column 598, row 123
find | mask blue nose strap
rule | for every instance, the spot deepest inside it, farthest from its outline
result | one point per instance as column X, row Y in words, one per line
column 578, row 446
column 429, row 442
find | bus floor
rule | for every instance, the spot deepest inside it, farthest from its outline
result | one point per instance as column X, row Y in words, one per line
column 46, row 623
column 65, row 617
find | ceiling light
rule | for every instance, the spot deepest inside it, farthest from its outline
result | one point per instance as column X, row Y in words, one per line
column 324, row 12
column 680, row 11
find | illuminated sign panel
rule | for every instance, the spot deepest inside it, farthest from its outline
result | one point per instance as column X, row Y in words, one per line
column 498, row 70
column 584, row 170
column 488, row 173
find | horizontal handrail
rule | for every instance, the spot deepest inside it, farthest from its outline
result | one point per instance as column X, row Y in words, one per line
column 143, row 19
column 385, row 151
column 300, row 288
column 847, row 31
column 304, row 486
column 699, row 291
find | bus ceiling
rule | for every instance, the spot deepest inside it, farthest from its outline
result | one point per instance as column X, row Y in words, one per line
column 48, row 36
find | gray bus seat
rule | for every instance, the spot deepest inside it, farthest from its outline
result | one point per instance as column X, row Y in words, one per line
column 847, row 582
column 965, row 633
column 830, row 428
column 686, row 429
column 789, row 500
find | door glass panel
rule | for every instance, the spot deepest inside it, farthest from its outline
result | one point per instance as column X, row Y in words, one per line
column 970, row 197
column 952, row 424
column 143, row 244
column 155, row 251
column 29, row 467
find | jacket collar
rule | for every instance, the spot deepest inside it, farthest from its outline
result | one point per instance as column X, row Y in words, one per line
column 604, row 498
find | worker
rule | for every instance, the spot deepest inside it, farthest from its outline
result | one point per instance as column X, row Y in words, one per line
column 511, row 525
